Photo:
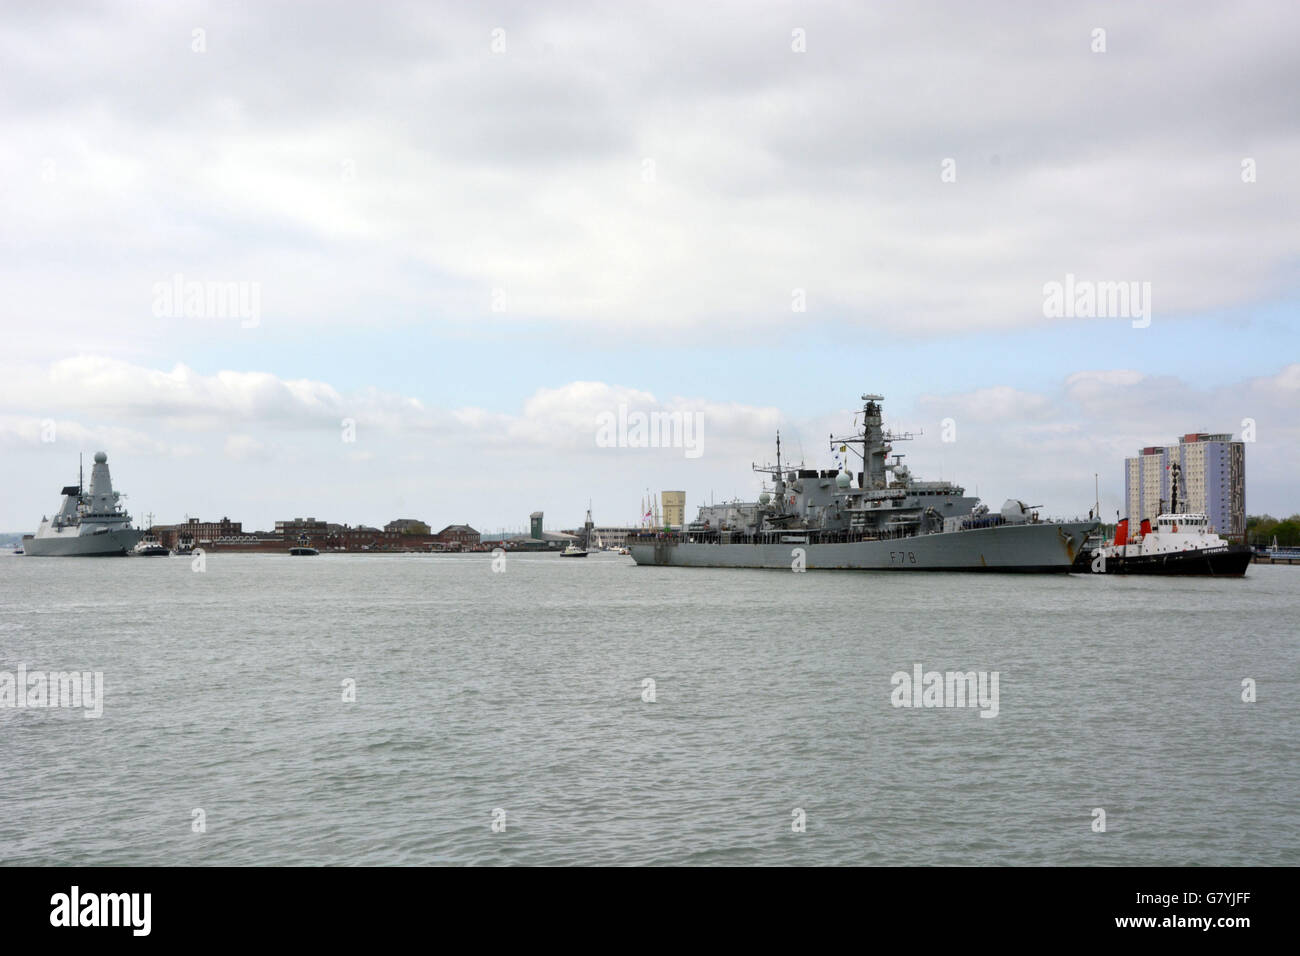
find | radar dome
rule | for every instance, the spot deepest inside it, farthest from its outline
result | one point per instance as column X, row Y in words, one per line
column 764, row 498
column 842, row 480
column 100, row 458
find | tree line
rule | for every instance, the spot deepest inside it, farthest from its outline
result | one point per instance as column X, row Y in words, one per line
column 1262, row 529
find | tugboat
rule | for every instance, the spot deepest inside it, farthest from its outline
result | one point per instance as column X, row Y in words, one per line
column 573, row 551
column 1181, row 543
column 303, row 549
column 149, row 546
column 87, row 524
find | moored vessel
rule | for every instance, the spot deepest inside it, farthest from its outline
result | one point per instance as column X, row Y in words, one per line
column 149, row 546
column 87, row 524
column 588, row 540
column 303, row 548
column 881, row 519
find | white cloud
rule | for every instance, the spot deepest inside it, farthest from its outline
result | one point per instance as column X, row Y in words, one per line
column 244, row 448
column 996, row 403
column 392, row 172
column 427, row 172
column 1041, row 445
column 1098, row 418
column 23, row 431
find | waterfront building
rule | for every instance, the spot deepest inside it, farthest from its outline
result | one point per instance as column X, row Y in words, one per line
column 363, row 538
column 613, row 536
column 459, row 536
column 195, row 533
column 537, row 538
column 407, row 526
column 300, row 526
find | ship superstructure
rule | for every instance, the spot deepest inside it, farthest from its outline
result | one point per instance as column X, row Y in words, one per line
column 88, row 523
column 882, row 518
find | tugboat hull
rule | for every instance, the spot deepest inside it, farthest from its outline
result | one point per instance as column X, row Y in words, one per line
column 1231, row 561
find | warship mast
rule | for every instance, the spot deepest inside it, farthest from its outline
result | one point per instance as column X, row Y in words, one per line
column 875, row 442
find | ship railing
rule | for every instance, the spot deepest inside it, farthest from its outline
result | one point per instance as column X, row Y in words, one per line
column 778, row 536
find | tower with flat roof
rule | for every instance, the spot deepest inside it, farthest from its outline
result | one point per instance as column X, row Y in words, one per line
column 674, row 508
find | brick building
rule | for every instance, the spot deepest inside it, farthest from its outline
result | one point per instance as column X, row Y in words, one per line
column 459, row 537
column 295, row 528
column 407, row 526
column 196, row 533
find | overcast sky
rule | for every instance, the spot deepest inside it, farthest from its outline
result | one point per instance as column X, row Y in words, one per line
column 470, row 229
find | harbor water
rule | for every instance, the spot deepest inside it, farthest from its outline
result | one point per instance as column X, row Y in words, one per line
column 506, row 715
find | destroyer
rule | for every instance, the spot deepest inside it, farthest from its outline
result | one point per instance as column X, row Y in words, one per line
column 886, row 520
column 86, row 525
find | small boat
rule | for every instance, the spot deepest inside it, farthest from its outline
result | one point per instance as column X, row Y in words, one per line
column 148, row 546
column 588, row 538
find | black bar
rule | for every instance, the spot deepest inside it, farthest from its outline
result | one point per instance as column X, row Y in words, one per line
column 947, row 907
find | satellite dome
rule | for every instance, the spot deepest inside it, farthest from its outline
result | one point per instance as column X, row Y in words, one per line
column 100, row 458
column 842, row 480
column 764, row 498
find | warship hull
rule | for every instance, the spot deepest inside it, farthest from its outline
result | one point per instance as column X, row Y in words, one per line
column 73, row 545
column 1027, row 548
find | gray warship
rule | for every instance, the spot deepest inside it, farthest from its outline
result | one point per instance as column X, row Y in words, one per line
column 86, row 525
column 887, row 521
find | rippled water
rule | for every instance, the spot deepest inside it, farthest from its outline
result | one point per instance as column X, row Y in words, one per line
column 523, row 691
